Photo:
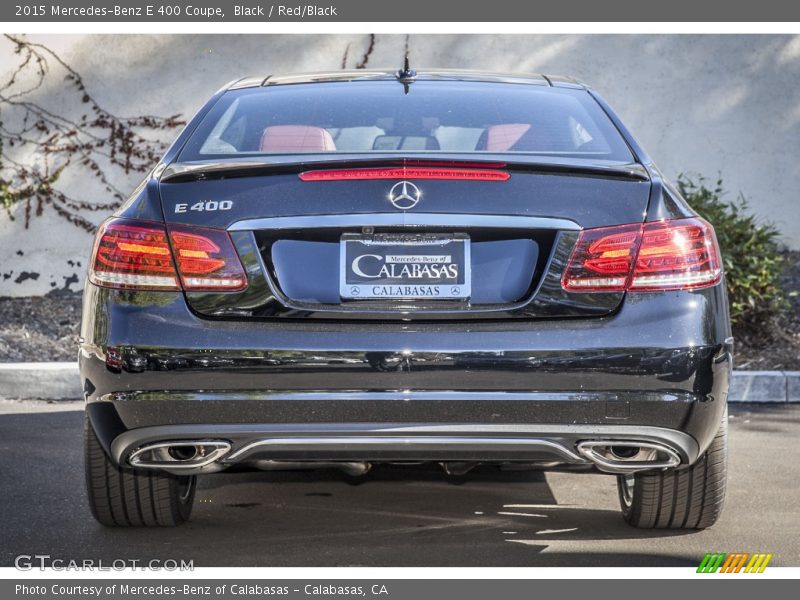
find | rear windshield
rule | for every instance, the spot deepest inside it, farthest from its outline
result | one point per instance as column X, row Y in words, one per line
column 432, row 117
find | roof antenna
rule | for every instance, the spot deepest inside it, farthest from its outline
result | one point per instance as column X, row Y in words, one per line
column 406, row 75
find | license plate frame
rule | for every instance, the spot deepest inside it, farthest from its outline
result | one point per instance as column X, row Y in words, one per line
column 438, row 252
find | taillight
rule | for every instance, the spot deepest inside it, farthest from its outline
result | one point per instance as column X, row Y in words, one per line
column 206, row 259
column 131, row 254
column 602, row 259
column 675, row 254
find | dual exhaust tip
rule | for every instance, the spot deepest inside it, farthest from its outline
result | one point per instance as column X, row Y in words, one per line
column 628, row 456
column 180, row 456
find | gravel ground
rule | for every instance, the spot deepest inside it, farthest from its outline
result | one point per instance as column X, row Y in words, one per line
column 46, row 329
column 40, row 329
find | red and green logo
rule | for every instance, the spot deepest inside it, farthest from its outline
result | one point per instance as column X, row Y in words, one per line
column 736, row 562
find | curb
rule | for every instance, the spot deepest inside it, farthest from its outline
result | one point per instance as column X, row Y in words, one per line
column 50, row 380
column 60, row 381
column 765, row 386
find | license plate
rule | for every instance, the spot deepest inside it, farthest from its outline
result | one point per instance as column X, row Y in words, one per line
column 390, row 266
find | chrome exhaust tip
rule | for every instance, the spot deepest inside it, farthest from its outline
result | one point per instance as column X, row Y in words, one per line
column 180, row 455
column 628, row 456
column 625, row 452
column 183, row 453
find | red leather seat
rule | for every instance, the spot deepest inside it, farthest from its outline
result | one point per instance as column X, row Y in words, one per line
column 296, row 138
column 501, row 138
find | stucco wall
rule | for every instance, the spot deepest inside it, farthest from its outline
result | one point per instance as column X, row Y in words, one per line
column 726, row 105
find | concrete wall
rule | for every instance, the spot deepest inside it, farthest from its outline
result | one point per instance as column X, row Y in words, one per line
column 726, row 105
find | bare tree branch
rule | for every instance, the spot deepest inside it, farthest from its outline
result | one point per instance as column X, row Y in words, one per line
column 96, row 142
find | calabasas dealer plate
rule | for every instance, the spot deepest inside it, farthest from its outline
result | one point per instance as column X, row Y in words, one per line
column 404, row 266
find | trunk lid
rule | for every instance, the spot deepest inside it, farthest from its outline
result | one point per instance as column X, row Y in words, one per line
column 288, row 233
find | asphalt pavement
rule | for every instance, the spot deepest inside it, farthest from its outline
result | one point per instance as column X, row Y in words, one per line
column 394, row 516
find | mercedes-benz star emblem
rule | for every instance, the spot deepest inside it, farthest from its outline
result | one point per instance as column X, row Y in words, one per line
column 404, row 195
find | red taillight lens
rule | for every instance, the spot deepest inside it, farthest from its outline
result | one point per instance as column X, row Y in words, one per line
column 602, row 259
column 207, row 259
column 666, row 255
column 133, row 254
column 130, row 254
column 677, row 255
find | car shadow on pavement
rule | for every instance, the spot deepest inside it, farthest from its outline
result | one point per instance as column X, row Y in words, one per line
column 411, row 515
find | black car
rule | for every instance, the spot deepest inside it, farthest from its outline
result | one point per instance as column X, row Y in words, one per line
column 353, row 268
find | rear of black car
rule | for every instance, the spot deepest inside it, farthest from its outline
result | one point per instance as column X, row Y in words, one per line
column 354, row 269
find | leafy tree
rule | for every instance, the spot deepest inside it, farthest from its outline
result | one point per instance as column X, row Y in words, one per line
column 751, row 256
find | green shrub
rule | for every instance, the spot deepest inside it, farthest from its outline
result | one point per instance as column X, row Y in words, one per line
column 750, row 253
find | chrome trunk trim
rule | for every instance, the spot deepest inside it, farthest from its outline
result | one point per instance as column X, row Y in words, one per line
column 404, row 219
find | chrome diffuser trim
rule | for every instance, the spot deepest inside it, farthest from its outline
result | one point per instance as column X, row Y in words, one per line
column 323, row 442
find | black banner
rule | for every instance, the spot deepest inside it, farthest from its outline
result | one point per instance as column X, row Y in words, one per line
column 443, row 11
column 390, row 589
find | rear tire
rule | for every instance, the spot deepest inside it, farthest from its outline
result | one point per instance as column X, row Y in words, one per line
column 690, row 498
column 133, row 498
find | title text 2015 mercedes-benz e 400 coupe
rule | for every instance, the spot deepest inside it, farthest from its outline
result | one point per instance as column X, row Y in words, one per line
column 354, row 268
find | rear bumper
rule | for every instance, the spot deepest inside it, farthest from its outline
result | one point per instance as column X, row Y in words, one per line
column 526, row 391
column 359, row 442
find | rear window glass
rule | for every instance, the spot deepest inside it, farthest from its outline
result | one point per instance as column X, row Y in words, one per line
column 380, row 117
